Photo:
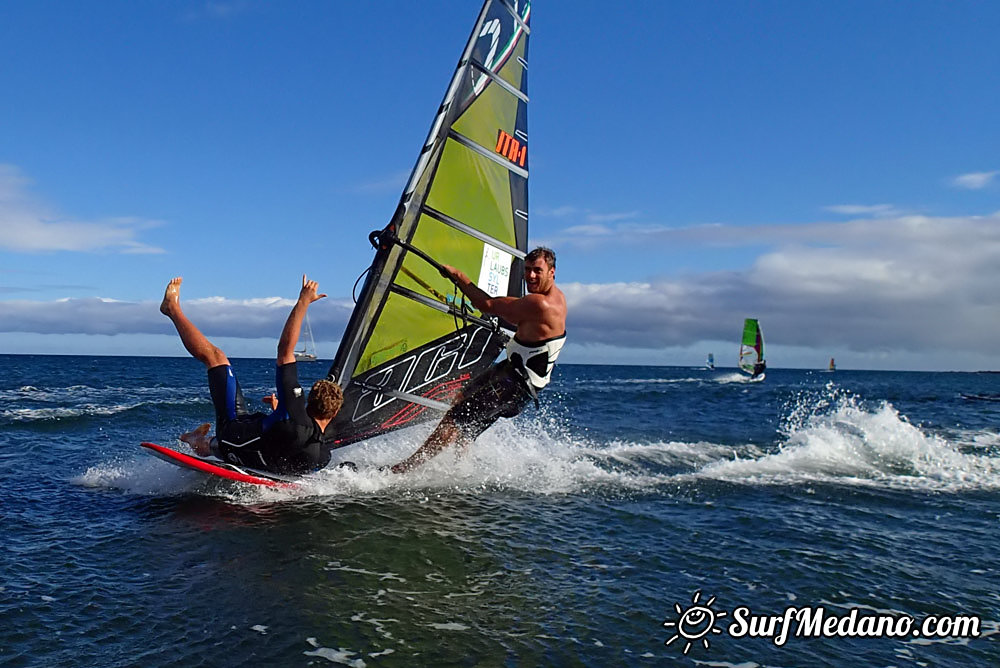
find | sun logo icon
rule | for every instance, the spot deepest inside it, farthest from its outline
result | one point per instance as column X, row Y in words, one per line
column 695, row 623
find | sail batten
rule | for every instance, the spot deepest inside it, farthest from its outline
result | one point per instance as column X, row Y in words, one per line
column 487, row 153
column 406, row 396
column 500, row 82
column 439, row 306
column 473, row 232
column 465, row 205
column 513, row 12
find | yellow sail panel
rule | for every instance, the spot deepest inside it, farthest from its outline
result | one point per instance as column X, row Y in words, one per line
column 412, row 325
column 476, row 191
column 464, row 252
column 407, row 324
column 495, row 110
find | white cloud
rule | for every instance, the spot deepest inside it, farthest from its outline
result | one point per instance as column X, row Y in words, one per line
column 915, row 285
column 30, row 226
column 588, row 215
column 975, row 180
column 912, row 283
column 861, row 231
column 878, row 210
column 393, row 183
column 611, row 217
column 215, row 316
column 590, row 230
column 560, row 212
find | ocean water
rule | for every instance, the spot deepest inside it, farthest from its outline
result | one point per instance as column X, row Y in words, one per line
column 587, row 533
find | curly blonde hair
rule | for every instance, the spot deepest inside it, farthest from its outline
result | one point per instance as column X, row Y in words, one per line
column 325, row 400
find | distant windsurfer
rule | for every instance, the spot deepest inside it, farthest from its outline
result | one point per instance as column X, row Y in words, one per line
column 506, row 387
column 293, row 438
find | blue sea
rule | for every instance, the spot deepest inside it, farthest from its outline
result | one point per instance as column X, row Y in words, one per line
column 642, row 516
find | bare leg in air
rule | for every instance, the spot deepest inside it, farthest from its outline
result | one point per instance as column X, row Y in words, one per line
column 200, row 348
column 194, row 341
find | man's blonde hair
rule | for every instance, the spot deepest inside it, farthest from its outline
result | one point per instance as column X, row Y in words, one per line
column 325, row 400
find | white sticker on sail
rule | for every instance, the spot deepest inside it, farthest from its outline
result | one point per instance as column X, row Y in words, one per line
column 494, row 275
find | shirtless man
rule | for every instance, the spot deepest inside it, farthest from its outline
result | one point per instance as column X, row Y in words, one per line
column 293, row 438
column 506, row 387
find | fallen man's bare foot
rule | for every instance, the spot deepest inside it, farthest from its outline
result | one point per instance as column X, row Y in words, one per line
column 171, row 297
column 199, row 440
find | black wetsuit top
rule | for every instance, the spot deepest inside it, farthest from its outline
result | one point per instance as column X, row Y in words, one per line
column 286, row 441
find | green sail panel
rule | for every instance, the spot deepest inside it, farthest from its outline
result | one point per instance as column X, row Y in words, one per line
column 751, row 345
column 413, row 340
column 476, row 191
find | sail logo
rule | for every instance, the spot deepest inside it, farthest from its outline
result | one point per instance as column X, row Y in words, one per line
column 423, row 370
column 492, row 29
column 495, row 55
column 494, row 272
column 509, row 147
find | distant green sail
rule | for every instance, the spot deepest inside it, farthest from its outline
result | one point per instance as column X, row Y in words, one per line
column 412, row 341
column 751, row 346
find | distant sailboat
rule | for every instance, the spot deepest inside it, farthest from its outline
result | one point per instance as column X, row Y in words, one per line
column 833, row 367
column 307, row 353
column 752, row 350
column 710, row 362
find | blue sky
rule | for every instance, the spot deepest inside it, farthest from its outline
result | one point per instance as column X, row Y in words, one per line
column 829, row 168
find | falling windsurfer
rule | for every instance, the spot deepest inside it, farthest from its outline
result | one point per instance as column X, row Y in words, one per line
column 506, row 387
column 293, row 438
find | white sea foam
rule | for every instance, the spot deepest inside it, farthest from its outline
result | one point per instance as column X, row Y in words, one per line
column 143, row 475
column 828, row 438
column 449, row 626
column 731, row 377
column 61, row 403
column 63, row 412
column 652, row 381
column 339, row 655
column 865, row 446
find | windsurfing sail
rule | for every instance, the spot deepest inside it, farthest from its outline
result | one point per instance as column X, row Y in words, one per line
column 833, row 366
column 413, row 341
column 710, row 362
column 752, row 346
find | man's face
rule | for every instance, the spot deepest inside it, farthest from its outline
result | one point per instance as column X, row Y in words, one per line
column 538, row 276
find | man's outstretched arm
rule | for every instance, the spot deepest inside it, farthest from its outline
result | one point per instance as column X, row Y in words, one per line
column 511, row 309
column 290, row 334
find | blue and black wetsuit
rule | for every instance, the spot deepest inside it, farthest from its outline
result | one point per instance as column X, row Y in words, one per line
column 286, row 441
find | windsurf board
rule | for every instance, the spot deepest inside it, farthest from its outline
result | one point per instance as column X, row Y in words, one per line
column 216, row 467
